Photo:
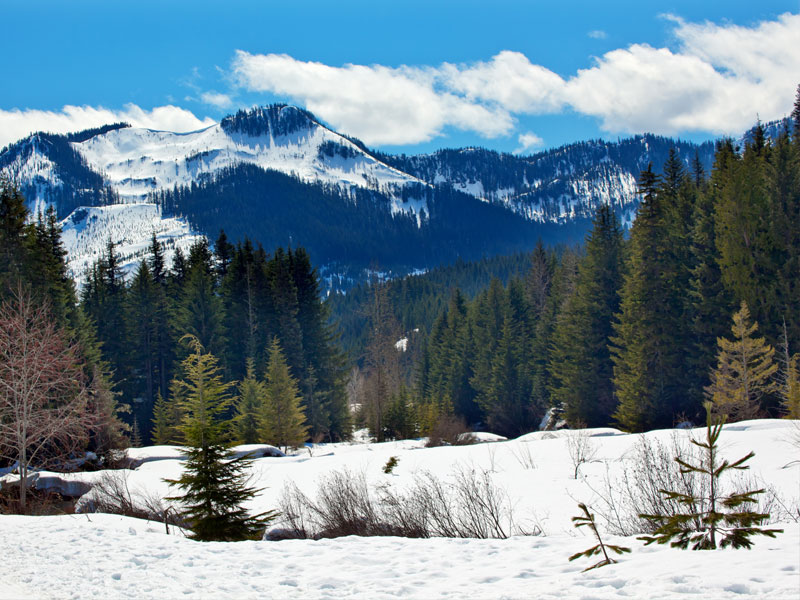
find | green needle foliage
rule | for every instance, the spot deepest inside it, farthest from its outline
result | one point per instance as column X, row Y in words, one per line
column 283, row 415
column 214, row 481
column 390, row 465
column 718, row 515
column 249, row 407
column 587, row 520
column 745, row 370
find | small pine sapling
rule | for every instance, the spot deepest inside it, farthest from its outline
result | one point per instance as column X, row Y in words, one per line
column 717, row 514
column 587, row 520
column 390, row 465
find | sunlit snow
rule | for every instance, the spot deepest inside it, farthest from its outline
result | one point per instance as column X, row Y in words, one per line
column 105, row 556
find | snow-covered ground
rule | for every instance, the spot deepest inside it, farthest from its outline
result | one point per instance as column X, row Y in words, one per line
column 105, row 556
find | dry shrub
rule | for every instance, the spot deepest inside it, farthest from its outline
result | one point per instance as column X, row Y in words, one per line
column 651, row 468
column 467, row 505
column 112, row 494
column 38, row 502
column 581, row 449
column 344, row 505
column 450, row 430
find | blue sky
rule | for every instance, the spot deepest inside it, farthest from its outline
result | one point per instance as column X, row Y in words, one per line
column 406, row 76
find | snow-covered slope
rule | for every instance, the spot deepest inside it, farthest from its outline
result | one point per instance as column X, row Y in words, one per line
column 106, row 556
column 86, row 232
column 137, row 162
column 34, row 167
column 555, row 186
column 131, row 164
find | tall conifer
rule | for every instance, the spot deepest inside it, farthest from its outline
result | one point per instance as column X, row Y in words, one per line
column 580, row 361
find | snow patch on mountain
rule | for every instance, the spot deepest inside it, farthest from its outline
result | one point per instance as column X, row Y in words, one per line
column 137, row 162
column 32, row 166
column 131, row 226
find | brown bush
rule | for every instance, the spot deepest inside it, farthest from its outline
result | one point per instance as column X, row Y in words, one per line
column 467, row 505
column 450, row 430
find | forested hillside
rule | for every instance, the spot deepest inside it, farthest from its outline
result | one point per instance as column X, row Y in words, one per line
column 359, row 227
column 626, row 332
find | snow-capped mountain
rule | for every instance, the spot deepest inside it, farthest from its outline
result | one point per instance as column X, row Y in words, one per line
column 138, row 162
column 555, row 186
column 279, row 176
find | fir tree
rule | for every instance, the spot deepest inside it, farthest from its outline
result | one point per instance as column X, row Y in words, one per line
column 718, row 515
column 200, row 312
column 163, row 343
column 789, row 388
column 214, row 481
column 400, row 422
column 587, row 520
column 142, row 325
column 580, row 361
column 796, row 116
column 651, row 331
column 249, row 406
column 163, row 430
column 282, row 416
column 744, row 371
column 709, row 301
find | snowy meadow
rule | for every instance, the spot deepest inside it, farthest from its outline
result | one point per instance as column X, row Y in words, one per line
column 534, row 482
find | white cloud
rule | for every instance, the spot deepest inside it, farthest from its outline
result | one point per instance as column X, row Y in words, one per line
column 217, row 99
column 527, row 142
column 381, row 105
column 510, row 80
column 597, row 34
column 717, row 78
column 16, row 124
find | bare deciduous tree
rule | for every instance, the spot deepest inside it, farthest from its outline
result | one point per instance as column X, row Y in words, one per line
column 43, row 390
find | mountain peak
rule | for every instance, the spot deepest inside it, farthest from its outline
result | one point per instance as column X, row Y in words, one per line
column 275, row 119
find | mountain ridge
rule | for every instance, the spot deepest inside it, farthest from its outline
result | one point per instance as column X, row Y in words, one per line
column 407, row 208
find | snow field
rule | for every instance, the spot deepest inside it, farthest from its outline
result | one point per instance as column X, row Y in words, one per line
column 106, row 556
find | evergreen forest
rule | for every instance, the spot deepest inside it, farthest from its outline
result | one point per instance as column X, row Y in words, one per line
column 635, row 329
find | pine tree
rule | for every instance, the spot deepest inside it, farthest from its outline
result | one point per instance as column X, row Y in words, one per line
column 200, row 312
column 13, row 215
column 450, row 357
column 486, row 316
column 141, row 307
column 745, row 238
column 580, row 361
column 509, row 403
column 796, row 116
column 163, row 430
column 323, row 383
column 744, row 372
column 720, row 515
column 538, row 279
column 709, row 301
column 282, row 416
column 214, row 484
column 652, row 330
column 587, row 520
column 249, row 406
column 163, row 343
column 214, row 481
column 222, row 252
column 789, row 384
column 400, row 422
